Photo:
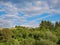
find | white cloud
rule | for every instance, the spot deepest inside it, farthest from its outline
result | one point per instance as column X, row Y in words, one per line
column 11, row 16
column 36, row 9
column 29, row 9
column 4, row 23
column 34, row 23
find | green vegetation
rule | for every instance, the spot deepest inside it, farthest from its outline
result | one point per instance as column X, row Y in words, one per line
column 46, row 34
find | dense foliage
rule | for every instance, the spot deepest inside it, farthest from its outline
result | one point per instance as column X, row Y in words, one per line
column 46, row 34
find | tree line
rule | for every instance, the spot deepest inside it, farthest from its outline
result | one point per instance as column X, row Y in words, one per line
column 47, row 33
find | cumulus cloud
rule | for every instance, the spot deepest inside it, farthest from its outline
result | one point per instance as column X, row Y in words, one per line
column 19, row 10
column 4, row 23
column 11, row 14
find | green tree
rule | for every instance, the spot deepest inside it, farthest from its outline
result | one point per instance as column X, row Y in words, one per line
column 6, row 34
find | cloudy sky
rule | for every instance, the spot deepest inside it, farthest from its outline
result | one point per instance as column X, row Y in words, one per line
column 28, row 12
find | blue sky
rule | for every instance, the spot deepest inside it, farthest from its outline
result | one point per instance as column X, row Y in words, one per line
column 28, row 13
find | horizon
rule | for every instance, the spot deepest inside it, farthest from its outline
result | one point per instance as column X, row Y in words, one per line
column 28, row 13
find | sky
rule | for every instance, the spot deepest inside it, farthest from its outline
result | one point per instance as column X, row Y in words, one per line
column 28, row 13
